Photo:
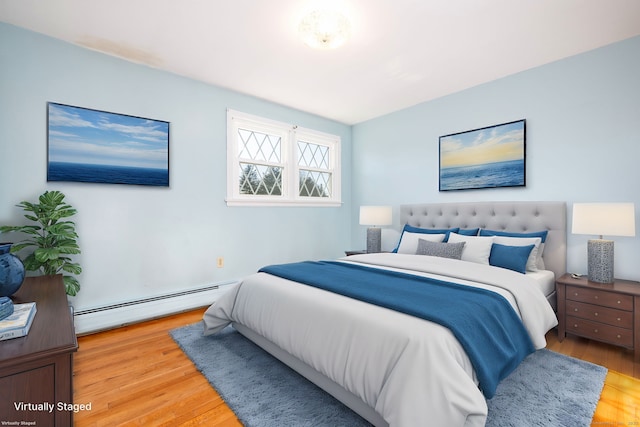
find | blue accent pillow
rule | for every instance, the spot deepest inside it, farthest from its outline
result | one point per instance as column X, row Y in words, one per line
column 541, row 234
column 412, row 229
column 511, row 257
column 468, row 231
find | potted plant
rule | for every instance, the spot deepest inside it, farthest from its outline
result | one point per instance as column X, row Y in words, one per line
column 52, row 236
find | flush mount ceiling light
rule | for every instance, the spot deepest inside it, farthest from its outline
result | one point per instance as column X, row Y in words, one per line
column 324, row 29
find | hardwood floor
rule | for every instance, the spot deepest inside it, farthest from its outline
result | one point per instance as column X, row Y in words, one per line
column 137, row 375
column 609, row 356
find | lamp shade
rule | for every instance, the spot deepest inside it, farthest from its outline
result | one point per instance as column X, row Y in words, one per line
column 604, row 219
column 375, row 215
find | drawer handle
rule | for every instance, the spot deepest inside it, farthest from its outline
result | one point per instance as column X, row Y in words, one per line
column 595, row 314
column 619, row 302
column 595, row 330
column 575, row 325
column 619, row 336
column 575, row 294
column 619, row 319
column 575, row 309
column 595, row 297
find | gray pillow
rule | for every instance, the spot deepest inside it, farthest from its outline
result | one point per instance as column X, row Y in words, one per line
column 444, row 250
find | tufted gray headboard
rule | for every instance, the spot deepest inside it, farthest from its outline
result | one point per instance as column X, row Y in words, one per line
column 504, row 216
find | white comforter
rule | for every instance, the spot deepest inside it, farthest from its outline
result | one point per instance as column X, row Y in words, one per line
column 411, row 371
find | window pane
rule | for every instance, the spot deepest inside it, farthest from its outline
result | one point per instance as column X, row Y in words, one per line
column 266, row 157
column 315, row 184
column 260, row 180
column 259, row 146
column 313, row 155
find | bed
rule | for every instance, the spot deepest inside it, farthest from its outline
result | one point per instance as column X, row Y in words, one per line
column 391, row 367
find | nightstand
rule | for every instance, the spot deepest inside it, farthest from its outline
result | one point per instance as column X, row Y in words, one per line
column 349, row 253
column 606, row 312
column 360, row 252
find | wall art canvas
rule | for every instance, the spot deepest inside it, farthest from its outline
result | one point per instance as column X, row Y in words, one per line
column 86, row 145
column 489, row 157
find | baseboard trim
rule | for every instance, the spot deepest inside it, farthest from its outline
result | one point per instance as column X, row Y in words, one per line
column 98, row 319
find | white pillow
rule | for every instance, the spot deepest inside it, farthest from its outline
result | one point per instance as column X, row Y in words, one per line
column 534, row 256
column 540, row 263
column 409, row 241
column 476, row 249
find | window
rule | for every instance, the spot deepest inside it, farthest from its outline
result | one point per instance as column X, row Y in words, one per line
column 273, row 163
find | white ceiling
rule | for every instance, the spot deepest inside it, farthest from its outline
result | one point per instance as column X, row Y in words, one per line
column 401, row 53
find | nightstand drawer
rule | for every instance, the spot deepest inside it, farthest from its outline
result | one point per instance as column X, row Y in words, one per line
column 610, row 316
column 600, row 331
column 604, row 298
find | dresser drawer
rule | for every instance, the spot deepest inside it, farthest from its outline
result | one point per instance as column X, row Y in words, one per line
column 610, row 316
column 600, row 331
column 604, row 298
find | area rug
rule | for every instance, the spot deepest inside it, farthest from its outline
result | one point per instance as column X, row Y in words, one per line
column 547, row 389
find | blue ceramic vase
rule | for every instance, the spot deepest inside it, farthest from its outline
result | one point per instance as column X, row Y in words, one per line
column 11, row 271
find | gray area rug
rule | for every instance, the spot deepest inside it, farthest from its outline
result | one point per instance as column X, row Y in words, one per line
column 547, row 389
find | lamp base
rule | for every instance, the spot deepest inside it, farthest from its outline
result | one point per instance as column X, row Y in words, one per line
column 600, row 260
column 374, row 240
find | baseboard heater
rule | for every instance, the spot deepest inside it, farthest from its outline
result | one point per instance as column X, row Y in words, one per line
column 120, row 314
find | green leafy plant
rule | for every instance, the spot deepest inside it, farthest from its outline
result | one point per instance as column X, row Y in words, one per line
column 53, row 237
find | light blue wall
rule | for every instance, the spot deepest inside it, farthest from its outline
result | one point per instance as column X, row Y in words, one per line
column 583, row 142
column 140, row 241
column 582, row 145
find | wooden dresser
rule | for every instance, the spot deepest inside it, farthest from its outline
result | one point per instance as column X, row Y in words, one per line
column 37, row 369
column 606, row 312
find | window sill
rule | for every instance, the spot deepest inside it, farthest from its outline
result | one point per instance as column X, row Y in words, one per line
column 284, row 203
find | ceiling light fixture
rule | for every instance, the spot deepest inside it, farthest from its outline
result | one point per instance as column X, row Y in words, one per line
column 324, row 29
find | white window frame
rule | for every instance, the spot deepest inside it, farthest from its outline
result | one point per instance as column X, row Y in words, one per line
column 289, row 134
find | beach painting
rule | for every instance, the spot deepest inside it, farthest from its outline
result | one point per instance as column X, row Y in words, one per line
column 86, row 145
column 489, row 157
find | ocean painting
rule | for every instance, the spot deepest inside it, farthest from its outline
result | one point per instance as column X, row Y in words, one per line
column 87, row 145
column 483, row 158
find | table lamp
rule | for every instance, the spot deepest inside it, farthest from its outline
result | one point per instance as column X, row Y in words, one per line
column 611, row 219
column 375, row 216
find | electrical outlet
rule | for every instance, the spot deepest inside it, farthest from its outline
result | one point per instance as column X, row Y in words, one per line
column 220, row 262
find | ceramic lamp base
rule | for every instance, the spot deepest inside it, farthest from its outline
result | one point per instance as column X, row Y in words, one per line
column 374, row 240
column 600, row 260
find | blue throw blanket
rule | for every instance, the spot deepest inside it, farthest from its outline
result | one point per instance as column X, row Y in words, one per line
column 484, row 323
